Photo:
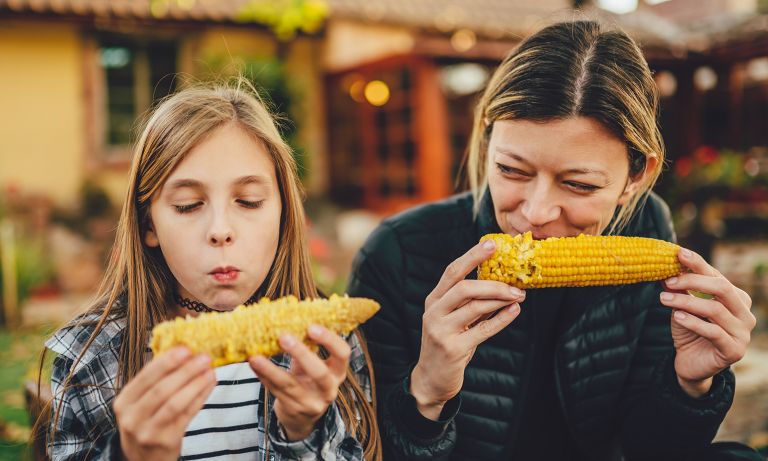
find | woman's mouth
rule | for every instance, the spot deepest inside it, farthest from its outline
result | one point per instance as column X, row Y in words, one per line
column 225, row 274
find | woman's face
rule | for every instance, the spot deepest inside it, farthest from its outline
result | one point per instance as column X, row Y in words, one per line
column 557, row 178
column 217, row 219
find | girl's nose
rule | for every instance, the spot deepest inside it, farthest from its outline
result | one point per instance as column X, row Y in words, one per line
column 220, row 232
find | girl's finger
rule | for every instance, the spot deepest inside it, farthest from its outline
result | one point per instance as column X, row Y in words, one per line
column 709, row 309
column 168, row 385
column 154, row 371
column 312, row 366
column 179, row 404
column 280, row 381
column 723, row 342
column 285, row 393
column 338, row 350
column 719, row 287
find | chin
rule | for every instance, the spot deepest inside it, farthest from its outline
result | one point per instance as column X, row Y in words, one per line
column 226, row 301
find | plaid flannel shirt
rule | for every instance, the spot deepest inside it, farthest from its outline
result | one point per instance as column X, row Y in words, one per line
column 86, row 429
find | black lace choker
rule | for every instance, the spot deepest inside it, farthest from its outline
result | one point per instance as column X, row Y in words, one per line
column 197, row 306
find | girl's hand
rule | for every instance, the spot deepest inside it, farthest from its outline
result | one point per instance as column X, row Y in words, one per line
column 154, row 409
column 303, row 395
column 709, row 334
column 458, row 316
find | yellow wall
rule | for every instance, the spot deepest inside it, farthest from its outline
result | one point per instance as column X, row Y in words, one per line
column 304, row 67
column 42, row 133
column 41, row 121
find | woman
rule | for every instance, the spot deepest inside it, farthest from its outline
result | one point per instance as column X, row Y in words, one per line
column 565, row 142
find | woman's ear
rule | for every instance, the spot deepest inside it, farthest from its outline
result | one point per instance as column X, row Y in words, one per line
column 634, row 184
column 150, row 236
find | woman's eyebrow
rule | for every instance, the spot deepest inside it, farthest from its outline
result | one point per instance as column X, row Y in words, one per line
column 586, row 171
column 519, row 158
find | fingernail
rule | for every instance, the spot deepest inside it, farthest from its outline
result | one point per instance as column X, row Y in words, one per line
column 203, row 359
column 513, row 309
column 685, row 253
column 667, row 296
column 257, row 360
column 680, row 315
column 489, row 245
column 315, row 331
column 287, row 341
column 181, row 353
column 516, row 291
column 671, row 281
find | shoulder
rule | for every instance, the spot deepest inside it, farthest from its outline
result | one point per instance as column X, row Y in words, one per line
column 652, row 219
column 70, row 342
column 422, row 227
column 450, row 213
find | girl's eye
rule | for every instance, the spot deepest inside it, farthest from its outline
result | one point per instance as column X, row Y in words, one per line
column 251, row 204
column 581, row 186
column 187, row 208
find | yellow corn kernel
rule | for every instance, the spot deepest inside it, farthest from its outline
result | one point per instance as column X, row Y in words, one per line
column 231, row 337
column 585, row 260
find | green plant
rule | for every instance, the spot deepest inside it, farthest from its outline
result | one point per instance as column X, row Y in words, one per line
column 31, row 264
column 284, row 17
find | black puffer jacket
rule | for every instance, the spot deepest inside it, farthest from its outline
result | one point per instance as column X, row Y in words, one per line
column 613, row 359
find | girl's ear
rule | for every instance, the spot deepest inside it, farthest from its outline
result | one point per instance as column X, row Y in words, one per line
column 150, row 236
column 633, row 184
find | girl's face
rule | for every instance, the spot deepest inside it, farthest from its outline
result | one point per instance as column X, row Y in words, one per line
column 217, row 219
column 557, row 178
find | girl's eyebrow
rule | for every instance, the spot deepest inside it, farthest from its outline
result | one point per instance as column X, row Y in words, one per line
column 570, row 170
column 195, row 184
column 252, row 179
column 182, row 183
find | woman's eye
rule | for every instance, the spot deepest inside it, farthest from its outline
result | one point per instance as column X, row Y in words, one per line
column 187, row 208
column 581, row 186
column 251, row 204
column 504, row 169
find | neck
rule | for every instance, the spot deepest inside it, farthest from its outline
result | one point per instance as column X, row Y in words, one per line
column 186, row 305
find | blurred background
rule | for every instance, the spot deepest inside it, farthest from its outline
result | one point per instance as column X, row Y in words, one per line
column 377, row 99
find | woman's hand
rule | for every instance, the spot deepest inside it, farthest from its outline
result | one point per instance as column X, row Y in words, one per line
column 304, row 394
column 458, row 316
column 709, row 334
column 154, row 409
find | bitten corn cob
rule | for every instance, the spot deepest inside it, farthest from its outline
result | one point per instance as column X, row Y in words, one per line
column 578, row 261
column 234, row 336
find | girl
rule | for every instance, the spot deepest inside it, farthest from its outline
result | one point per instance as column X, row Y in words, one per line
column 565, row 142
column 212, row 219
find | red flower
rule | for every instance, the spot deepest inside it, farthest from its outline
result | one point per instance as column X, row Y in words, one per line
column 683, row 166
column 705, row 154
column 319, row 248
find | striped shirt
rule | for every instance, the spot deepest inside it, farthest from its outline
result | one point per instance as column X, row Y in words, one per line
column 231, row 424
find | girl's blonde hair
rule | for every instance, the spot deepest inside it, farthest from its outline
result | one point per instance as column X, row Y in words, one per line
column 574, row 69
column 138, row 275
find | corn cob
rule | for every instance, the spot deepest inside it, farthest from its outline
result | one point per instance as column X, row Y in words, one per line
column 231, row 337
column 578, row 261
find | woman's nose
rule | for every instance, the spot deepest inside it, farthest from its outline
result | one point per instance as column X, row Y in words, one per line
column 540, row 208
